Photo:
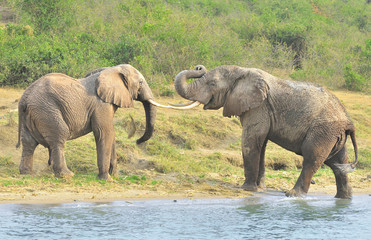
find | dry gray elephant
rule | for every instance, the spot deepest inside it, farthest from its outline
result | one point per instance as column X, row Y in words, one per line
column 57, row 108
column 300, row 117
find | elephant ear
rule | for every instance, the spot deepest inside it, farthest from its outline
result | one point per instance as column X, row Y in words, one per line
column 113, row 87
column 249, row 91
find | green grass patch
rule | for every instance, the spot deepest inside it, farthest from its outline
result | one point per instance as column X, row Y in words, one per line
column 134, row 179
column 7, row 166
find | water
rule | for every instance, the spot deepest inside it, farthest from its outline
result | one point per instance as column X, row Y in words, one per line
column 262, row 216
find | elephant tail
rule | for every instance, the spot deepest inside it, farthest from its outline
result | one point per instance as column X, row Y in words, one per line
column 350, row 167
column 353, row 138
column 21, row 109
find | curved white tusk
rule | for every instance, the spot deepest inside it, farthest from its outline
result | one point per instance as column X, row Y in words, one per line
column 194, row 104
column 181, row 104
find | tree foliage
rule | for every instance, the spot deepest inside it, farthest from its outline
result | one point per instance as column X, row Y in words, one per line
column 321, row 41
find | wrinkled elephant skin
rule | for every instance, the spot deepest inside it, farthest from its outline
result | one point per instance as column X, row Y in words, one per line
column 57, row 108
column 300, row 117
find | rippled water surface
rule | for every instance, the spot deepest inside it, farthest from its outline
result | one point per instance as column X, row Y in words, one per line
column 262, row 216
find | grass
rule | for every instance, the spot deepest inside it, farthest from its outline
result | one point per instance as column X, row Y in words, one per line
column 189, row 148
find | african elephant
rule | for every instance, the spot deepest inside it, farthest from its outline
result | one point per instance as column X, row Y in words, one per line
column 57, row 108
column 300, row 117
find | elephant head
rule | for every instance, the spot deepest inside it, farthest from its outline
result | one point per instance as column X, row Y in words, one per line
column 122, row 84
column 234, row 88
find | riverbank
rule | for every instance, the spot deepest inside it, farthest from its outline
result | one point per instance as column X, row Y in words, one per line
column 193, row 154
column 41, row 194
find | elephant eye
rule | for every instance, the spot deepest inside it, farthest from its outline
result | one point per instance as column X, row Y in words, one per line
column 212, row 84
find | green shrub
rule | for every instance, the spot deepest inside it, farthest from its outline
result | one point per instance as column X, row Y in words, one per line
column 161, row 38
column 353, row 81
column 46, row 15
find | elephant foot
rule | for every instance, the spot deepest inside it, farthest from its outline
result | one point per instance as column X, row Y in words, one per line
column 25, row 171
column 25, row 167
column 249, row 187
column 106, row 177
column 344, row 194
column 64, row 173
column 295, row 193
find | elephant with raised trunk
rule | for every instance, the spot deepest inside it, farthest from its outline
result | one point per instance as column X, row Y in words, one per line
column 300, row 117
column 57, row 108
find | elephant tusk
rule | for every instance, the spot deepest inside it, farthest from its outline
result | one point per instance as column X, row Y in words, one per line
column 181, row 104
column 189, row 106
column 192, row 105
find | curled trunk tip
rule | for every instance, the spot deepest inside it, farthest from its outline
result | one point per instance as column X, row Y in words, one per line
column 184, row 89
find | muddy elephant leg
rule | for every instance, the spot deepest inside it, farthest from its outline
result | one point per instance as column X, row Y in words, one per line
column 261, row 175
column 29, row 145
column 113, row 162
column 252, row 152
column 315, row 153
column 254, row 139
column 344, row 190
column 251, row 170
column 58, row 161
column 310, row 166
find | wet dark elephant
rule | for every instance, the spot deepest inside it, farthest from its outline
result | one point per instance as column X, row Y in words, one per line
column 300, row 117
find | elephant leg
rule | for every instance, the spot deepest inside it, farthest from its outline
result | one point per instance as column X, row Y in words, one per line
column 105, row 138
column 344, row 190
column 261, row 175
column 56, row 153
column 315, row 152
column 310, row 166
column 104, row 152
column 55, row 133
column 253, row 152
column 50, row 157
column 29, row 145
column 256, row 124
column 113, row 162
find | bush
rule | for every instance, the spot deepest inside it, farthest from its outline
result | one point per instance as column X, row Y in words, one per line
column 161, row 38
column 46, row 15
column 353, row 81
column 358, row 71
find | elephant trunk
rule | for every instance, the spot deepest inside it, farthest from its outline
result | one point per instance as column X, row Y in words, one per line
column 184, row 89
column 150, row 111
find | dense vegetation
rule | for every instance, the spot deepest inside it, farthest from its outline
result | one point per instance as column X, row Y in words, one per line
column 322, row 41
